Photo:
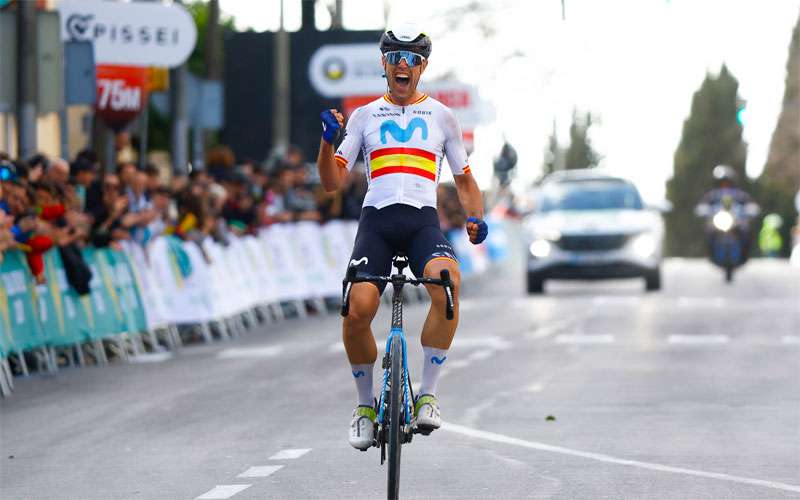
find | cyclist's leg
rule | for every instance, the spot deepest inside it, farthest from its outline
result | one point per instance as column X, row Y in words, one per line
column 372, row 255
column 430, row 253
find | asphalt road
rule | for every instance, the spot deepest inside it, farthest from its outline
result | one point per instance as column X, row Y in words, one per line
column 690, row 393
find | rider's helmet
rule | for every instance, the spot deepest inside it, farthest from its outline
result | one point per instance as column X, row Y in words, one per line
column 724, row 173
column 406, row 37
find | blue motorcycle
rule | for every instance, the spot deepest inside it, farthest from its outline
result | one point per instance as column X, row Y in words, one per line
column 728, row 228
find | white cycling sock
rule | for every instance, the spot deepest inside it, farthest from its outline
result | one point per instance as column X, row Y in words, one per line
column 433, row 361
column 362, row 374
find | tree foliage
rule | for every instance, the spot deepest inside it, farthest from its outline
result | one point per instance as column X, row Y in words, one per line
column 780, row 179
column 580, row 153
column 711, row 136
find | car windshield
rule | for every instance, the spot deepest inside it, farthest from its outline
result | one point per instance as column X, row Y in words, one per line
column 590, row 195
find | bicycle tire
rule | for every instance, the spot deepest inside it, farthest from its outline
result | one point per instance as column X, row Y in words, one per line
column 395, row 416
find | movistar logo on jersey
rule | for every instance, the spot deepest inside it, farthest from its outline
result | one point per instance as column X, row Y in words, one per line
column 359, row 373
column 400, row 134
column 438, row 361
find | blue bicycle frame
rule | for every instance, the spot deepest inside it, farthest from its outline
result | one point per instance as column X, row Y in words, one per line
column 395, row 331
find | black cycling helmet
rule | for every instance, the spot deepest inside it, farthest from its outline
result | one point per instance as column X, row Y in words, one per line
column 406, row 38
column 724, row 173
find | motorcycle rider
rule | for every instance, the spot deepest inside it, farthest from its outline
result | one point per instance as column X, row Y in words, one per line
column 728, row 195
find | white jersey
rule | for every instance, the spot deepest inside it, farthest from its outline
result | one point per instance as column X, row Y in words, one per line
column 403, row 149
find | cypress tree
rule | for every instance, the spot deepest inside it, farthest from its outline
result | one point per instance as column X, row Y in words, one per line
column 780, row 179
column 712, row 135
column 580, row 153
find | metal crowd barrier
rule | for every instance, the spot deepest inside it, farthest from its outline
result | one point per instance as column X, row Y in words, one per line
column 140, row 297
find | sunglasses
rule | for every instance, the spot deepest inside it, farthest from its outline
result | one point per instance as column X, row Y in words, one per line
column 412, row 58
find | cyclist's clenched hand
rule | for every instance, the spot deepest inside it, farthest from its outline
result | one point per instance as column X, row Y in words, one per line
column 332, row 122
column 477, row 230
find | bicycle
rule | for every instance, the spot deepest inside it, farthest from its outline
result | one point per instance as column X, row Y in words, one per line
column 393, row 425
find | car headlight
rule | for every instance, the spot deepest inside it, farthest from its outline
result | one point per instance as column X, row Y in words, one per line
column 540, row 248
column 644, row 245
column 723, row 220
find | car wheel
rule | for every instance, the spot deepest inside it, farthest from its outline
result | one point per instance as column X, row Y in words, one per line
column 535, row 283
column 652, row 280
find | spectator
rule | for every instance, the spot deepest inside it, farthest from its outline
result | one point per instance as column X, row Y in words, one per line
column 299, row 199
column 153, row 177
column 37, row 165
column 84, row 175
column 111, row 222
column 57, row 172
column 220, row 161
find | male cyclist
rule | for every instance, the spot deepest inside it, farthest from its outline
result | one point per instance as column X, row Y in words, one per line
column 404, row 136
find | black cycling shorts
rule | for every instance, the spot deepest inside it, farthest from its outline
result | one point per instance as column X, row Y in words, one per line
column 398, row 228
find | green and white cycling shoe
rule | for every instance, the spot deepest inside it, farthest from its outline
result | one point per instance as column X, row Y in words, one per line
column 426, row 414
column 362, row 428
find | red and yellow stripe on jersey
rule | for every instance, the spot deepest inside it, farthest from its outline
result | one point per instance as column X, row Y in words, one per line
column 402, row 161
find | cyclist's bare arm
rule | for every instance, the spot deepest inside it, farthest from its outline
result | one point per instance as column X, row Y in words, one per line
column 330, row 172
column 470, row 195
column 471, row 199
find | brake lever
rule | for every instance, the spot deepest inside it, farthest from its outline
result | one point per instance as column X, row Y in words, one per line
column 347, row 285
column 448, row 292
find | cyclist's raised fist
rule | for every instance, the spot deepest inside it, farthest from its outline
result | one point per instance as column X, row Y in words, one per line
column 332, row 122
column 477, row 230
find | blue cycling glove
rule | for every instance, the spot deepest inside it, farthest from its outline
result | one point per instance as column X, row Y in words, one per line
column 330, row 126
column 483, row 229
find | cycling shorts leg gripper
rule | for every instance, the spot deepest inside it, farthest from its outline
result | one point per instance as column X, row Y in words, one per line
column 428, row 244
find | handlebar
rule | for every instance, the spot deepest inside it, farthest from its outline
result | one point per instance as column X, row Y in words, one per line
column 399, row 279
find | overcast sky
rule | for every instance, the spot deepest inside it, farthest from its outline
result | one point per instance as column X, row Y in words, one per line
column 633, row 63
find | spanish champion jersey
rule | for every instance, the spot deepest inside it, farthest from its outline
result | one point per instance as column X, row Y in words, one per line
column 403, row 148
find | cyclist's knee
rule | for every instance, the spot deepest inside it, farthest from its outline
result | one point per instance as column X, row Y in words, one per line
column 434, row 270
column 364, row 302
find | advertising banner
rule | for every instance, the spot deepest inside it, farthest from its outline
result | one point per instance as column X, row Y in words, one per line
column 130, row 33
column 121, row 94
column 16, row 307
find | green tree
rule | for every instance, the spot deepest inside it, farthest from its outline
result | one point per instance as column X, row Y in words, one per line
column 711, row 136
column 580, row 153
column 553, row 155
column 780, row 179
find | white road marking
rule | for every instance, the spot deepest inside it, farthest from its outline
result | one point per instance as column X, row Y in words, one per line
column 790, row 340
column 605, row 338
column 251, row 352
column 152, row 357
column 481, row 355
column 552, row 327
column 261, row 471
column 290, row 454
column 222, row 491
column 500, row 438
column 698, row 339
column 535, row 387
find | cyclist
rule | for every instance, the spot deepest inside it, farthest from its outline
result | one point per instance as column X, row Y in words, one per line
column 404, row 136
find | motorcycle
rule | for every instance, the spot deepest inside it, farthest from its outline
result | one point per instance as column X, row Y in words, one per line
column 728, row 227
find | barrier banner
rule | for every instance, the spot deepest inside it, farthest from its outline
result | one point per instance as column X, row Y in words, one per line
column 49, row 307
column 67, row 302
column 103, row 317
column 151, row 293
column 288, row 272
column 16, row 305
column 127, row 292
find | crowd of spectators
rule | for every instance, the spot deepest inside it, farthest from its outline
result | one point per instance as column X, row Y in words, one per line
column 50, row 203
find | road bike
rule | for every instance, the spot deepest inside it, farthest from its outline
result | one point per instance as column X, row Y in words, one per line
column 394, row 425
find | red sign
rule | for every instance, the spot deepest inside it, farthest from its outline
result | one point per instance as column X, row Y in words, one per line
column 121, row 94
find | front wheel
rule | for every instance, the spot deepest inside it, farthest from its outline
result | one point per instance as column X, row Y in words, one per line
column 395, row 416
